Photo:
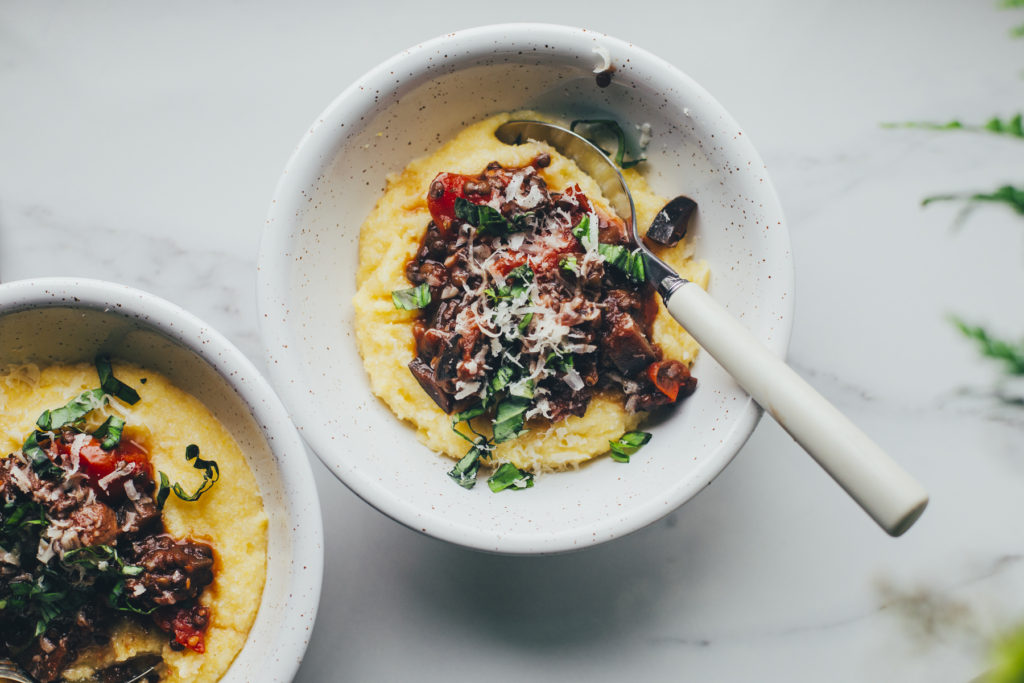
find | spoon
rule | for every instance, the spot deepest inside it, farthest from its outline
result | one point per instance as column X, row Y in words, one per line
column 892, row 497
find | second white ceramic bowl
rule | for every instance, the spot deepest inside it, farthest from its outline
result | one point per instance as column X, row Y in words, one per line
column 65, row 320
column 407, row 107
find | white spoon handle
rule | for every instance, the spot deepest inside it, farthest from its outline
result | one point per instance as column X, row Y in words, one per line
column 886, row 491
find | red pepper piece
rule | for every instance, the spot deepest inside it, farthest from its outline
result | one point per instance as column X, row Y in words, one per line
column 668, row 376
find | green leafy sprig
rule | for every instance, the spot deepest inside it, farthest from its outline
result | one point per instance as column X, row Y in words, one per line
column 1013, row 126
column 1010, row 354
column 1007, row 194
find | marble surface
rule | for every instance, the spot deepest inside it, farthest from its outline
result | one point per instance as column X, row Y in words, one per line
column 141, row 143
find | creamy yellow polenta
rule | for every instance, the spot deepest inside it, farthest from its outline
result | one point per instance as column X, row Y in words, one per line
column 229, row 516
column 390, row 237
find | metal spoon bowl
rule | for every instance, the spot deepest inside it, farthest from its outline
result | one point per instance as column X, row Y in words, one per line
column 892, row 497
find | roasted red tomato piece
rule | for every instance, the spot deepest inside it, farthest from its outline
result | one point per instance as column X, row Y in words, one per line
column 186, row 623
column 445, row 189
column 99, row 465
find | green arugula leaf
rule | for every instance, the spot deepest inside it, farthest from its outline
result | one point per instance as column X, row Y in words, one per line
column 627, row 444
column 412, row 298
column 509, row 476
column 112, row 385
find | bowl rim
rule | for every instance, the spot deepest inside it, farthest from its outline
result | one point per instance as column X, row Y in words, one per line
column 185, row 329
column 311, row 158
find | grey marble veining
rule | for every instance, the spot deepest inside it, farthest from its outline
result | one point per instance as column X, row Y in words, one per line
column 142, row 143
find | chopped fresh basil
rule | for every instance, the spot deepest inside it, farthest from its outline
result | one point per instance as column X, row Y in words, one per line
column 100, row 558
column 596, row 127
column 119, row 601
column 523, row 273
column 522, row 389
column 75, row 410
column 486, row 220
column 586, row 233
column 40, row 461
column 16, row 519
column 510, row 476
column 502, row 377
column 560, row 361
column 509, row 418
column 469, row 414
column 627, row 444
column 631, row 263
column 110, row 432
column 465, row 470
column 211, row 473
column 525, row 322
column 412, row 298
column 112, row 385
column 568, row 263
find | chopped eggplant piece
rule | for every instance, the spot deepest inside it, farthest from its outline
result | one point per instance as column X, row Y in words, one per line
column 424, row 374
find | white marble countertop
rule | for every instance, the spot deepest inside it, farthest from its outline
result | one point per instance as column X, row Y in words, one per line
column 141, row 143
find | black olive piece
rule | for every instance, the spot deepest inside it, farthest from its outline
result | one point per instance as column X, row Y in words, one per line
column 671, row 223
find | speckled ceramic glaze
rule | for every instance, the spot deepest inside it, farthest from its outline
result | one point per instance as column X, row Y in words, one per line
column 406, row 108
column 60, row 320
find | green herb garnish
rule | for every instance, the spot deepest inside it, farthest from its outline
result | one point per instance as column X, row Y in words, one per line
column 627, row 444
column 75, row 409
column 1012, row 355
column 502, row 378
column 509, row 418
column 1007, row 194
column 568, row 263
column 110, row 432
column 585, row 232
column 489, row 221
column 211, row 473
column 40, row 461
column 112, row 385
column 465, row 470
column 509, row 476
column 16, row 519
column 630, row 263
column 1013, row 126
column 596, row 127
column 412, row 298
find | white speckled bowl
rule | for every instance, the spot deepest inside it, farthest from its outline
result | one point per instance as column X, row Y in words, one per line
column 71, row 320
column 405, row 108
